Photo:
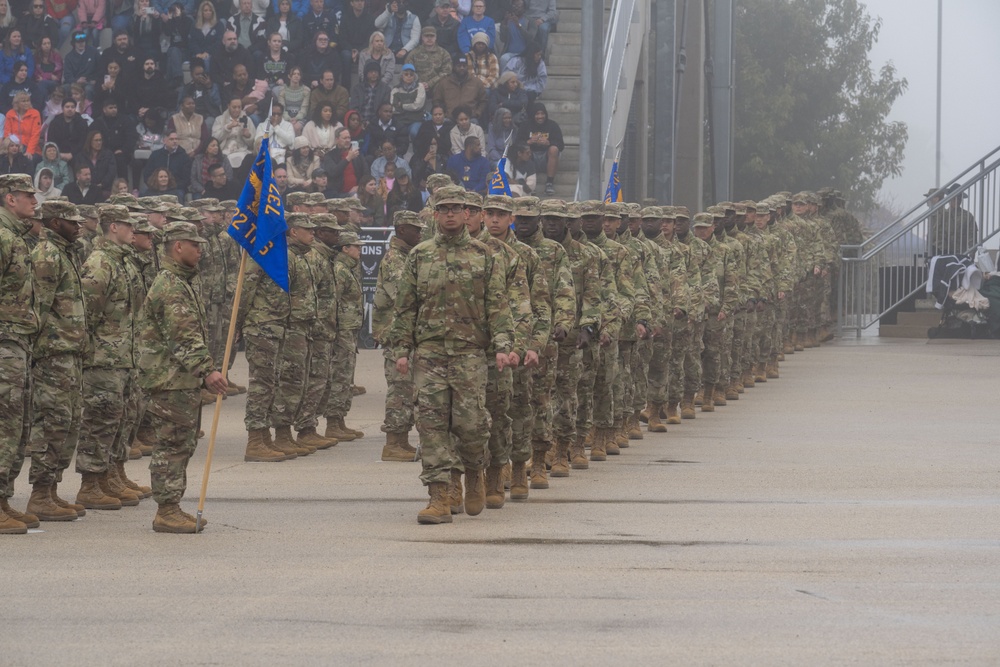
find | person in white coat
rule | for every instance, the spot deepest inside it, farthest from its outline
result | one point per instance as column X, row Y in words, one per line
column 235, row 132
column 282, row 134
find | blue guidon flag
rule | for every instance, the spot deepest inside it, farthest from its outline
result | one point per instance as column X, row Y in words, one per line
column 259, row 224
column 614, row 191
column 498, row 181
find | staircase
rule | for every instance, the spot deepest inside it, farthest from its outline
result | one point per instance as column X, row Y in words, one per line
column 562, row 96
column 913, row 324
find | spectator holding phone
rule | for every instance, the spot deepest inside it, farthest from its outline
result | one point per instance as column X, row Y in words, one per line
column 344, row 165
column 235, row 132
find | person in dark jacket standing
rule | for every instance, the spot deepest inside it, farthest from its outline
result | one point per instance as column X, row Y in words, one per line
column 103, row 171
column 345, row 165
column 173, row 158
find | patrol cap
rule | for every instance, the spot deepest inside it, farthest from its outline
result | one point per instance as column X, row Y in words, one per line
column 185, row 213
column 800, row 198
column 682, row 212
column 59, row 209
column 349, row 238
column 716, row 211
column 36, row 214
column 615, row 209
column 703, row 219
column 354, row 204
column 449, row 194
column 499, row 203
column 108, row 213
column 668, row 212
column 740, row 208
column 435, row 181
column 180, row 230
column 207, row 204
column 473, row 199
column 325, row 221
column 140, row 225
column 407, row 218
column 87, row 210
column 337, row 205
column 933, row 192
column 300, row 220
column 573, row 210
column 824, row 192
column 296, row 198
column 811, row 198
column 554, row 207
column 592, row 207
column 228, row 203
column 152, row 204
column 634, row 210
column 313, row 198
column 124, row 200
column 763, row 208
column 429, row 29
column 168, row 199
column 527, row 207
column 16, row 183
column 652, row 213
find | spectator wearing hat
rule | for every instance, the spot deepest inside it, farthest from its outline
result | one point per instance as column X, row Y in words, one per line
column 356, row 26
column 530, row 69
column 80, row 64
column 477, row 21
column 544, row 137
column 446, row 26
column 483, row 63
column 401, row 28
column 408, row 100
column 469, row 168
column 460, row 89
column 119, row 134
column 124, row 53
column 432, row 63
column 508, row 94
column 370, row 93
column 378, row 52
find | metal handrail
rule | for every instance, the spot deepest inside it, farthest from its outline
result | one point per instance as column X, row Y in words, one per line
column 880, row 274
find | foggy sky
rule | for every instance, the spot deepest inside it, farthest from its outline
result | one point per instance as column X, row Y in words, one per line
column 970, row 92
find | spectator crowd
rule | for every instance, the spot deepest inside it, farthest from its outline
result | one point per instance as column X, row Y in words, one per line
column 362, row 98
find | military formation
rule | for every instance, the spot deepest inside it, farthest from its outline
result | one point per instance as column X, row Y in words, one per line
column 526, row 338
column 522, row 338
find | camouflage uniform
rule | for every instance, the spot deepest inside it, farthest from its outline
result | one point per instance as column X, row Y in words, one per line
column 112, row 292
column 174, row 361
column 350, row 315
column 737, row 265
column 59, row 349
column 720, row 268
column 293, row 358
column 18, row 324
column 707, row 289
column 451, row 310
column 681, row 263
column 432, row 64
column 399, row 388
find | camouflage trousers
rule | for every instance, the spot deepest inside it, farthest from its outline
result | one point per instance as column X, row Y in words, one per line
column 568, row 369
column 499, row 388
column 589, row 361
column 824, row 316
column 218, row 331
column 679, row 344
column 624, row 381
column 15, row 412
column 658, row 373
column 452, row 419
column 398, row 398
column 641, row 355
column 135, row 402
column 799, row 311
column 345, row 358
column 765, row 337
column 604, row 386
column 543, row 384
column 780, row 325
column 108, row 418
column 521, row 413
column 712, row 350
column 692, row 359
column 57, row 406
column 726, row 352
column 293, row 371
column 738, row 347
column 262, row 357
column 175, row 417
column 319, row 361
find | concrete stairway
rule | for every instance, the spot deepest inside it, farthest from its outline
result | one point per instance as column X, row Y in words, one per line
column 915, row 324
column 562, row 96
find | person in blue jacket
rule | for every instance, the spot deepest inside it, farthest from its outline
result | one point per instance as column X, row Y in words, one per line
column 475, row 22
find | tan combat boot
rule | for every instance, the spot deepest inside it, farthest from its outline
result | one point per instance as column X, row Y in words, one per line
column 798, row 339
column 358, row 390
column 41, row 505
column 719, row 396
column 788, row 347
column 137, row 489
column 539, row 479
column 772, row 369
column 170, row 519
column 283, row 442
column 495, row 494
column 134, row 452
column 405, row 443
column 113, row 486
column 610, row 443
column 343, row 427
column 475, row 491
column 207, row 397
column 597, row 450
column 759, row 374
column 336, row 429
column 621, row 434
column 748, row 380
column 518, row 480
column 644, row 414
column 578, row 455
column 258, row 449
column 699, row 398
column 634, row 431
column 437, row 510
column 27, row 518
column 394, row 451
column 240, row 389
column 560, row 459
column 310, row 438
column 11, row 526
column 79, row 509
column 708, row 402
column 655, row 425
column 673, row 415
column 92, row 495
column 733, row 391
column 455, row 496
column 687, row 406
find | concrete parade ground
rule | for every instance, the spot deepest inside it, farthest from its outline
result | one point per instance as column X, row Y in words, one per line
column 847, row 513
